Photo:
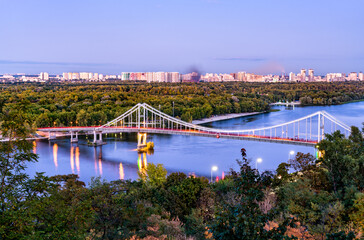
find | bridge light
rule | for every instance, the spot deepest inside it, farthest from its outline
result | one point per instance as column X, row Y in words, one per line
column 259, row 160
column 213, row 169
column 290, row 153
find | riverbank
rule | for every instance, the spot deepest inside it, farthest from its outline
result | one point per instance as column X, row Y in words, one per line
column 224, row 117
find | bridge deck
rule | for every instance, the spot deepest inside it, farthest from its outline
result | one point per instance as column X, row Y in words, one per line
column 89, row 130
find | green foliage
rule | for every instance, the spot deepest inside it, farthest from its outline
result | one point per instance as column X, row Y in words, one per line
column 154, row 176
column 344, row 159
column 14, row 155
column 340, row 236
column 239, row 215
column 325, row 196
column 89, row 104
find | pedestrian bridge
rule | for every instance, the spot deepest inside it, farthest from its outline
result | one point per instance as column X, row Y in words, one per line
column 142, row 118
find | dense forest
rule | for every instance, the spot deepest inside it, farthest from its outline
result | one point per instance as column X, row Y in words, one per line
column 318, row 199
column 94, row 104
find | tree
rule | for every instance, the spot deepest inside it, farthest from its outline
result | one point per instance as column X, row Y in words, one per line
column 343, row 159
column 14, row 155
column 154, row 176
column 241, row 217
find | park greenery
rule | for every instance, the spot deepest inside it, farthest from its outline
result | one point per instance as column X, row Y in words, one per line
column 319, row 199
column 88, row 104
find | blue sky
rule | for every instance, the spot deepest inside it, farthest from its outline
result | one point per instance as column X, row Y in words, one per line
column 111, row 36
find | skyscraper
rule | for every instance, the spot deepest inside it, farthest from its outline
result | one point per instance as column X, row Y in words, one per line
column 353, row 76
column 310, row 74
column 291, row 76
column 361, row 76
column 303, row 74
column 44, row 76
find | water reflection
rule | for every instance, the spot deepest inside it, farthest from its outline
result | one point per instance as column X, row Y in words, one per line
column 100, row 167
column 121, row 171
column 35, row 147
column 72, row 160
column 55, row 152
column 142, row 162
column 188, row 154
column 95, row 160
column 78, row 160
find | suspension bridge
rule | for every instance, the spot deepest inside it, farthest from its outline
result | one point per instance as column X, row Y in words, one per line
column 143, row 119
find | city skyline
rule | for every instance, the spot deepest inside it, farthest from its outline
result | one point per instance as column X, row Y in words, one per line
column 181, row 36
column 305, row 75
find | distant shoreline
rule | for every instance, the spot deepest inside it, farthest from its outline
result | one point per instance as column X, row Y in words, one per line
column 224, row 117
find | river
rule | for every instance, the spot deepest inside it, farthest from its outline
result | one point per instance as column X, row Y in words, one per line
column 189, row 154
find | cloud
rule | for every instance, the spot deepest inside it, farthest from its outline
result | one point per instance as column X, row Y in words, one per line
column 53, row 63
column 242, row 59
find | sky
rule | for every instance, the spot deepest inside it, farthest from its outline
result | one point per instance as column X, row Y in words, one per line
column 220, row 36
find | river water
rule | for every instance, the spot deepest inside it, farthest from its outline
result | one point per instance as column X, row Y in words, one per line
column 189, row 154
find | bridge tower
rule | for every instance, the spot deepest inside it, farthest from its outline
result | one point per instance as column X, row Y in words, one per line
column 142, row 140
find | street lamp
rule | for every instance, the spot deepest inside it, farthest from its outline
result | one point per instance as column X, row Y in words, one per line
column 173, row 108
column 290, row 153
column 213, row 169
column 259, row 160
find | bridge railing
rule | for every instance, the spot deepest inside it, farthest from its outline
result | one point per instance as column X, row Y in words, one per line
column 308, row 128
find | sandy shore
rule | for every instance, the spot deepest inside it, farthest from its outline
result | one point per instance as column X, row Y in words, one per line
column 224, row 117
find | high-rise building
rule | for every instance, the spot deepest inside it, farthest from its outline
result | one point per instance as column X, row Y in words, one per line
column 291, row 76
column 75, row 76
column 125, row 76
column 353, row 76
column 361, row 76
column 159, row 77
column 44, row 76
column 310, row 74
column 96, row 76
column 241, row 76
column 149, row 77
column 175, row 77
column 303, row 74
column 84, row 75
column 65, row 76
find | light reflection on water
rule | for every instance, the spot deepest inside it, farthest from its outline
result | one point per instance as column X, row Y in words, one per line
column 72, row 160
column 55, row 152
column 189, row 154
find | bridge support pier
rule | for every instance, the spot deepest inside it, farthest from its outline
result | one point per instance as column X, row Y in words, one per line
column 142, row 140
column 74, row 139
column 51, row 135
column 98, row 142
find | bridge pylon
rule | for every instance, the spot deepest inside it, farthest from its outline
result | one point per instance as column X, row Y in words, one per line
column 142, row 140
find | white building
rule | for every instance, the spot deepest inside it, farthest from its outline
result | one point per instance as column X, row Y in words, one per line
column 361, row 76
column 310, row 74
column 44, row 76
column 353, row 76
column 85, row 75
column 292, row 76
